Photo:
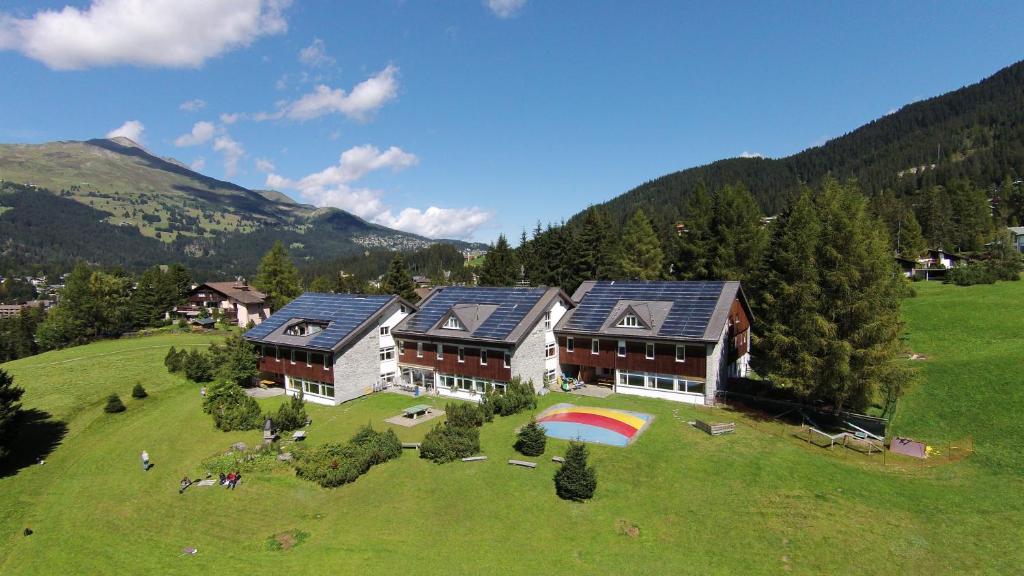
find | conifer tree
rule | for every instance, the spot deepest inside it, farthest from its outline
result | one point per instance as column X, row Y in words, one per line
column 114, row 404
column 10, row 410
column 500, row 266
column 597, row 245
column 321, row 284
column 531, row 439
column 739, row 237
column 398, row 280
column 641, row 255
column 575, row 480
column 910, row 237
column 692, row 244
column 277, row 277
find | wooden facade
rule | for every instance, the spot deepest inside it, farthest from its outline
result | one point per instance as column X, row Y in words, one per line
column 494, row 369
column 317, row 366
column 635, row 360
column 739, row 331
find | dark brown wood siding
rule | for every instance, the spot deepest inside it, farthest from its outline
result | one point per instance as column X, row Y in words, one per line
column 449, row 364
column 739, row 330
column 284, row 366
column 664, row 361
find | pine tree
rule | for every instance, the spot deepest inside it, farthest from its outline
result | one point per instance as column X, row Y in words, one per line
column 641, row 256
column 692, row 245
column 398, row 280
column 575, row 480
column 597, row 245
column 139, row 392
column 114, row 405
column 235, row 360
column 321, row 284
column 277, row 277
column 531, row 439
column 910, row 237
column 10, row 411
column 739, row 237
column 500, row 266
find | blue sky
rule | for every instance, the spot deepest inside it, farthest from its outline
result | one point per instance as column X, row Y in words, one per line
column 471, row 118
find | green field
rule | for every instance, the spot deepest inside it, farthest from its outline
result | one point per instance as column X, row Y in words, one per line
column 756, row 502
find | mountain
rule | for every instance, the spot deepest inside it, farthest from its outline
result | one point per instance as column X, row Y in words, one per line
column 975, row 133
column 113, row 203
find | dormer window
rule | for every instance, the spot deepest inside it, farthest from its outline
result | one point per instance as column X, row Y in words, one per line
column 452, row 323
column 630, row 321
column 305, row 329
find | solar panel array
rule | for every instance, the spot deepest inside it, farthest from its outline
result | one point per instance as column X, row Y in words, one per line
column 693, row 303
column 344, row 312
column 513, row 305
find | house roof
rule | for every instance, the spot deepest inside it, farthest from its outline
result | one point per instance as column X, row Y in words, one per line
column 343, row 314
column 670, row 310
column 236, row 291
column 1017, row 230
column 486, row 313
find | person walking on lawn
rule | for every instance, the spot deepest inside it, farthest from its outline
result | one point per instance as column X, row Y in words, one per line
column 145, row 461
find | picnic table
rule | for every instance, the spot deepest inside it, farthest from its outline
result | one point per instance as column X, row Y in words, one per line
column 416, row 411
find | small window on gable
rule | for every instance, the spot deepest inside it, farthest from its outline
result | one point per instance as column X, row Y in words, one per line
column 385, row 330
column 630, row 321
column 547, row 320
column 452, row 323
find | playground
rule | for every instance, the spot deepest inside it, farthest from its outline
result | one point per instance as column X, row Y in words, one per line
column 595, row 425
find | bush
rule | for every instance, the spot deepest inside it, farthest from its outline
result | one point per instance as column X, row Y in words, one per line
column 114, row 404
column 232, row 408
column 175, row 360
column 464, row 415
column 984, row 272
column 291, row 415
column 332, row 464
column 575, row 480
column 518, row 396
column 139, row 392
column 198, row 366
column 446, row 443
column 531, row 440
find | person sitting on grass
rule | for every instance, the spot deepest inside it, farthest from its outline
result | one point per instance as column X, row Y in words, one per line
column 185, row 483
column 230, row 480
column 223, row 479
column 234, row 481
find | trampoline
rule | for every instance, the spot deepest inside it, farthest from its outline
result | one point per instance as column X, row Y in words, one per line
column 596, row 425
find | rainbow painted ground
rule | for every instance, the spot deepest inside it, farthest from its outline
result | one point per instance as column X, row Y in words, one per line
column 596, row 425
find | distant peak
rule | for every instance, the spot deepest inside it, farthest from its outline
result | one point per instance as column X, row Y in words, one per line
column 126, row 142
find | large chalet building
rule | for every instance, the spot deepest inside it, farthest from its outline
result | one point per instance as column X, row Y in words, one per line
column 237, row 301
column 672, row 340
column 332, row 347
column 462, row 340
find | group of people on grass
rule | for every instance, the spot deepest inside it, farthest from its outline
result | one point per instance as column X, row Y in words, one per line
column 230, row 480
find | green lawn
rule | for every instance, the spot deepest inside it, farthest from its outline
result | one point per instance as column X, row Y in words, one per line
column 750, row 503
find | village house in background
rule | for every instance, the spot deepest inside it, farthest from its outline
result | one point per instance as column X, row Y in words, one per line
column 678, row 341
column 332, row 347
column 932, row 265
column 1017, row 237
column 462, row 340
column 238, row 302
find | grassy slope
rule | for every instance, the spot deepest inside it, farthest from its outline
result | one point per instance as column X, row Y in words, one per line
column 747, row 503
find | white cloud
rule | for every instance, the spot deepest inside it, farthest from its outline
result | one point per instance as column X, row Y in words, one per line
column 365, row 98
column 264, row 165
column 201, row 133
column 161, row 33
column 315, row 55
column 505, row 8
column 193, row 105
column 198, row 164
column 131, row 129
column 333, row 186
column 746, row 154
column 231, row 150
column 231, row 118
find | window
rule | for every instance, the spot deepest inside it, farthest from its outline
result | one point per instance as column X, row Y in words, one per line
column 462, row 354
column 440, row 351
column 316, row 358
column 570, row 344
column 327, row 362
column 401, row 347
column 508, row 360
column 662, row 382
column 595, row 346
column 550, row 375
column 547, row 320
column 387, row 379
column 550, row 350
column 452, row 323
column 622, row 348
column 385, row 330
column 293, row 356
column 649, row 352
column 680, row 353
column 419, row 349
column 629, row 321
column 483, row 357
column 387, row 353
column 277, row 354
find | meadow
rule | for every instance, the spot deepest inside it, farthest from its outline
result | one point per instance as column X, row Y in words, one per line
column 675, row 502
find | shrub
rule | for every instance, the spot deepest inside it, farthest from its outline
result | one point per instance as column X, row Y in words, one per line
column 518, row 396
column 377, row 447
column 446, row 443
column 291, row 415
column 139, row 392
column 198, row 366
column 175, row 359
column 262, row 458
column 575, row 480
column 531, row 439
column 333, row 464
column 232, row 408
column 464, row 415
column 114, row 404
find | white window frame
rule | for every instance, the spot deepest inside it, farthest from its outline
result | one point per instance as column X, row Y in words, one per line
column 595, row 346
column 649, row 351
column 483, row 357
column 570, row 344
column 550, row 350
column 462, row 354
column 401, row 347
column 452, row 323
column 385, row 330
column 547, row 320
column 507, row 360
column 630, row 321
column 419, row 349
column 620, row 350
column 440, row 351
column 387, row 354
column 680, row 348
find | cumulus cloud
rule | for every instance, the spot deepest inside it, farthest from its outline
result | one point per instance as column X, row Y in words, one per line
column 231, row 151
column 198, row 164
column 365, row 98
column 505, row 8
column 231, row 118
column 131, row 129
column 746, row 154
column 315, row 55
column 335, row 186
column 160, row 33
column 264, row 165
column 201, row 133
column 193, row 105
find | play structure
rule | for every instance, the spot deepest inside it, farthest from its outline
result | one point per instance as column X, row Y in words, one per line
column 596, row 425
column 853, row 437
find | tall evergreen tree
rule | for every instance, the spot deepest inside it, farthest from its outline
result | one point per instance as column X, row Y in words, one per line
column 500, row 266
column 398, row 280
column 936, row 218
column 277, row 277
column 641, row 255
column 738, row 233
column 692, row 245
column 597, row 252
column 10, row 409
column 910, row 238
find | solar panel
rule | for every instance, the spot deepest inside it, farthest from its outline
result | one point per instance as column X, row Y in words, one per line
column 693, row 303
column 343, row 312
column 513, row 305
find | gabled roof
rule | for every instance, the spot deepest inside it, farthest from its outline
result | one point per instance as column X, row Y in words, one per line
column 488, row 314
column 239, row 291
column 671, row 310
column 344, row 315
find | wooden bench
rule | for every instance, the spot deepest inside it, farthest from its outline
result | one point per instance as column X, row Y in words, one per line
column 716, row 428
column 523, row 463
column 558, row 459
column 415, row 445
column 474, row 458
column 299, row 435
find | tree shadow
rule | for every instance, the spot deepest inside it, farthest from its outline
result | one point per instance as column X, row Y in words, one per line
column 38, row 435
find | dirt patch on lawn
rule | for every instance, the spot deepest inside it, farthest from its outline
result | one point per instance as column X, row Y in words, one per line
column 286, row 540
